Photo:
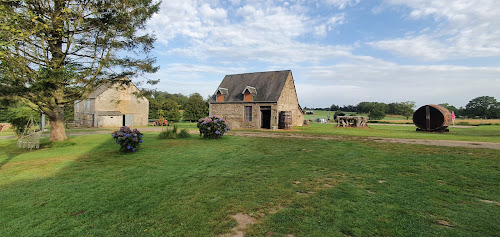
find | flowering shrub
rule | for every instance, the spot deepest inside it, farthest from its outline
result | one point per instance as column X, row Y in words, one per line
column 129, row 140
column 212, row 127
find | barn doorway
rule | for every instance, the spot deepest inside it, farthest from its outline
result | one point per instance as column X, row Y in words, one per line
column 128, row 120
column 265, row 115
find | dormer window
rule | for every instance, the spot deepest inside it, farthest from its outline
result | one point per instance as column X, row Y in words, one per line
column 221, row 92
column 249, row 93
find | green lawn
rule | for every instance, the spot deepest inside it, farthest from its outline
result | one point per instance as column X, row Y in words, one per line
column 302, row 187
column 8, row 132
column 489, row 133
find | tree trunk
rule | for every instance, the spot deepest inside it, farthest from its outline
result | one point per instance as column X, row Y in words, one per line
column 57, row 129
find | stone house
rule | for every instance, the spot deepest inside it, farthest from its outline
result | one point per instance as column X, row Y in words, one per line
column 258, row 100
column 112, row 105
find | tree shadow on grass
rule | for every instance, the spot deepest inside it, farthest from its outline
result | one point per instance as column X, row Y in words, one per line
column 11, row 150
column 10, row 156
column 98, row 191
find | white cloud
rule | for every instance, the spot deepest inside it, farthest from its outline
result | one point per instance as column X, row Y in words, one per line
column 351, row 83
column 329, row 25
column 268, row 35
column 341, row 4
column 190, row 78
column 467, row 29
column 212, row 15
column 235, row 2
column 259, row 31
column 363, row 79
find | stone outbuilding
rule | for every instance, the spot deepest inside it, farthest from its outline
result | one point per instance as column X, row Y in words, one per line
column 112, row 105
column 258, row 100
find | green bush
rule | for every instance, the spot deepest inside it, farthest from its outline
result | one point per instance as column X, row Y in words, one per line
column 212, row 127
column 129, row 140
column 169, row 133
column 183, row 134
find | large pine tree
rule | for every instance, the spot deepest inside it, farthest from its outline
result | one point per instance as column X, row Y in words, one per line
column 53, row 52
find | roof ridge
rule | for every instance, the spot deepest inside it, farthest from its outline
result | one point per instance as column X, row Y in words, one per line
column 288, row 70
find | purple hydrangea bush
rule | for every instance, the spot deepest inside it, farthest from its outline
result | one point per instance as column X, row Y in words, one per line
column 129, row 140
column 212, row 127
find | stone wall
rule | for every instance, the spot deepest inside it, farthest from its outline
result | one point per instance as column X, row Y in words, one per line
column 126, row 102
column 234, row 114
column 114, row 99
column 288, row 101
column 84, row 111
column 110, row 121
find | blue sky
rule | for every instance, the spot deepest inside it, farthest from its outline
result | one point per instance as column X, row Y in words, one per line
column 340, row 51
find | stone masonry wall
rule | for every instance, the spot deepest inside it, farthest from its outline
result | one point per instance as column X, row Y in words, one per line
column 234, row 114
column 126, row 102
column 288, row 101
column 122, row 100
column 84, row 112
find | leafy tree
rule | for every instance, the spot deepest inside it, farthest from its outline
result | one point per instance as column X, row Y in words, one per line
column 461, row 111
column 18, row 115
column 171, row 110
column 195, row 108
column 348, row 108
column 157, row 98
column 378, row 111
column 365, row 107
column 406, row 109
column 483, row 106
column 334, row 107
column 53, row 52
column 449, row 107
column 392, row 108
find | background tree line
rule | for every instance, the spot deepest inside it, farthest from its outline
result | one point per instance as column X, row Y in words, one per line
column 169, row 106
column 486, row 107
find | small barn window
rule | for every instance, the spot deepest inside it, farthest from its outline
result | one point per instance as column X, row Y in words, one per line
column 88, row 104
column 248, row 113
column 77, row 105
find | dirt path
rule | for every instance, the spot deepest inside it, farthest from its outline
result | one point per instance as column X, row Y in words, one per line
column 467, row 144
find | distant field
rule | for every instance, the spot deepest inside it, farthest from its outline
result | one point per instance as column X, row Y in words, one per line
column 479, row 133
column 399, row 119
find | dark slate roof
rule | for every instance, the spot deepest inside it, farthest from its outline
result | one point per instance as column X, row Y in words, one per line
column 268, row 86
column 223, row 91
column 250, row 89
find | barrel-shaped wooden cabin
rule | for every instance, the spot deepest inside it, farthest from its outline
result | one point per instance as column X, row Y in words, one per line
column 432, row 118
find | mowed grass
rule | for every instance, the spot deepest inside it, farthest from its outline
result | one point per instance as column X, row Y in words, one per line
column 489, row 133
column 302, row 187
column 8, row 132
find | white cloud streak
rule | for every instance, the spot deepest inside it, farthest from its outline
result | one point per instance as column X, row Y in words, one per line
column 256, row 31
column 271, row 34
column 467, row 29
